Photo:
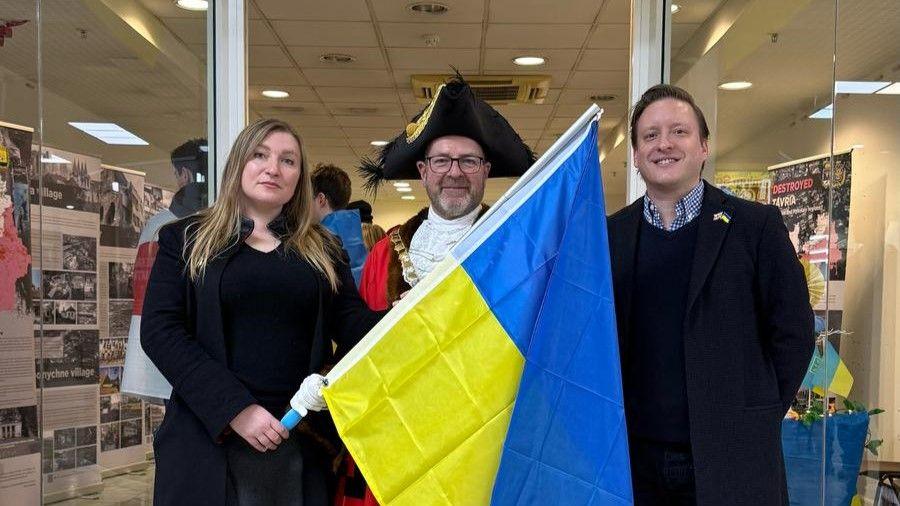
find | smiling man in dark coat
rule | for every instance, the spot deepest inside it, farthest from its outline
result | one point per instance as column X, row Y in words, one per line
column 715, row 326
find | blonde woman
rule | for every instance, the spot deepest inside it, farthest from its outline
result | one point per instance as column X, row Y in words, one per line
column 239, row 308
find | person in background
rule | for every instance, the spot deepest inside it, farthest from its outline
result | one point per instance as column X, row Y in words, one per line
column 243, row 301
column 332, row 189
column 715, row 326
column 371, row 232
column 189, row 163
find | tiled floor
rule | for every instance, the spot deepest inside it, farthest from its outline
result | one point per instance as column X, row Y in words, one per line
column 130, row 489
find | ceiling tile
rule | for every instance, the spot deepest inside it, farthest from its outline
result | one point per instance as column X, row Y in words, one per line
column 366, row 57
column 681, row 33
column 395, row 122
column 353, row 94
column 293, row 106
column 525, row 110
column 611, row 36
column 461, row 11
column 326, row 33
column 527, row 124
column 189, row 30
column 343, row 10
column 543, row 11
column 315, row 132
column 326, row 142
column 535, row 35
column 615, row 11
column 372, row 132
column 367, row 109
column 594, row 80
column 604, row 59
column 275, row 76
column 451, row 35
column 302, row 121
column 433, row 58
column 337, row 77
column 266, row 56
column 259, row 34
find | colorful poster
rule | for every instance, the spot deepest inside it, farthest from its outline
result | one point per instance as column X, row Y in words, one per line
column 19, row 436
column 801, row 190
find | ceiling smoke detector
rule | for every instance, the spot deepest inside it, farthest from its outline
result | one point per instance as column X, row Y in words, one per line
column 602, row 98
column 337, row 58
column 429, row 8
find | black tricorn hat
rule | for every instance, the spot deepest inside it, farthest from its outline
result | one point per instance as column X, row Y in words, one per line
column 455, row 110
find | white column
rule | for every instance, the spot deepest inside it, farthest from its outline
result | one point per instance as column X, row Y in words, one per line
column 650, row 42
column 227, row 81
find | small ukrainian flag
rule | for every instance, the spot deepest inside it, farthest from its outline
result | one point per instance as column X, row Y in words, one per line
column 722, row 216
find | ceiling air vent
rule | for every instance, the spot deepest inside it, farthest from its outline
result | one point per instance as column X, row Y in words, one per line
column 495, row 90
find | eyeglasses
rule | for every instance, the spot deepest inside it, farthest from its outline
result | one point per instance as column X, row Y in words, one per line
column 441, row 164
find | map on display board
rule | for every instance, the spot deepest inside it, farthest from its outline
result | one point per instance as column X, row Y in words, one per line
column 20, row 446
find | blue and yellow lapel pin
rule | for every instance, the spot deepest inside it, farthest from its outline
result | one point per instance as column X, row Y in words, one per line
column 722, row 216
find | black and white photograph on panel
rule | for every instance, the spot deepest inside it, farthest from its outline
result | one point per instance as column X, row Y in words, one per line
column 132, row 434
column 64, row 459
column 121, row 212
column 86, row 456
column 77, row 285
column 90, row 286
column 109, row 437
column 120, row 280
column 119, row 317
column 86, row 435
column 65, row 313
column 79, row 253
column 47, row 311
column 87, row 313
column 18, row 424
column 57, row 285
column 64, row 438
column 112, row 351
column 66, row 180
column 70, row 357
column 109, row 408
column 130, row 407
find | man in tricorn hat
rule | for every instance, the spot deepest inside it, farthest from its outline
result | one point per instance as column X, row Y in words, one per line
column 453, row 146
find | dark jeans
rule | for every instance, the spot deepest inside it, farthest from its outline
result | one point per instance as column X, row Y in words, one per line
column 661, row 473
column 282, row 477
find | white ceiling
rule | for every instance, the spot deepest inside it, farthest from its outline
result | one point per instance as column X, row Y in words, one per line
column 115, row 74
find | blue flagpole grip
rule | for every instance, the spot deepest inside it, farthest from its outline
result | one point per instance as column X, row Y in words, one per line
column 291, row 419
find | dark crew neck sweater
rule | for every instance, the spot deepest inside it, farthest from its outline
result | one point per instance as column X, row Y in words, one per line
column 269, row 310
column 656, row 401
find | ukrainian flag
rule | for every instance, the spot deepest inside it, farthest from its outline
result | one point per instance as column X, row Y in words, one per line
column 496, row 380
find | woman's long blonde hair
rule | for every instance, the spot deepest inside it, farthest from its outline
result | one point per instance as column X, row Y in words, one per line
column 219, row 226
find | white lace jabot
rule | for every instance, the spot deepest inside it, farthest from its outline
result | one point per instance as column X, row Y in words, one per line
column 435, row 237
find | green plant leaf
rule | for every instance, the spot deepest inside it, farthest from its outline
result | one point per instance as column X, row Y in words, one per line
column 873, row 445
column 876, row 411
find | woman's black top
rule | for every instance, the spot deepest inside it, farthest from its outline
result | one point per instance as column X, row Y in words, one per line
column 269, row 310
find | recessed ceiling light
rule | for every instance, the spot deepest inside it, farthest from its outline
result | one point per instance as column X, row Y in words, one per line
column 379, row 143
column 433, row 8
column 404, row 189
column 824, row 113
column 193, row 5
column 337, row 58
column 736, row 85
column 408, row 197
column 860, row 87
column 110, row 133
column 893, row 89
column 528, row 60
column 675, row 8
column 70, row 206
column 401, row 184
column 275, row 94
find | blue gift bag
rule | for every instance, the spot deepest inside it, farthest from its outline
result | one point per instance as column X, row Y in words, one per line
column 845, row 435
column 347, row 225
